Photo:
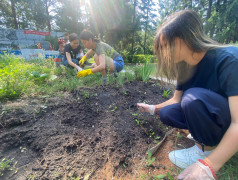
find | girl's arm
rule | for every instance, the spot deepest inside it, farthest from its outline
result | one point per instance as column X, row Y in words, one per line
column 68, row 56
column 102, row 63
column 89, row 53
column 175, row 99
column 229, row 143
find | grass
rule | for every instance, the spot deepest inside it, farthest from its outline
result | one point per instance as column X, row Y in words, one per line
column 229, row 170
column 19, row 77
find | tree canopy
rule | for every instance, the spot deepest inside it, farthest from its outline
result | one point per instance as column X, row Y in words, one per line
column 129, row 25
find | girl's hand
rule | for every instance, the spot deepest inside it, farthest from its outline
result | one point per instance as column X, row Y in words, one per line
column 197, row 171
column 84, row 73
column 146, row 108
column 81, row 62
column 79, row 68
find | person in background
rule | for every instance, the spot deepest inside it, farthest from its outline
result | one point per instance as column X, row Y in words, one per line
column 61, row 44
column 206, row 97
column 72, row 52
column 66, row 38
column 106, row 58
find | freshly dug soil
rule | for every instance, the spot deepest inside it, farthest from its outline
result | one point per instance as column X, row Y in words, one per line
column 87, row 134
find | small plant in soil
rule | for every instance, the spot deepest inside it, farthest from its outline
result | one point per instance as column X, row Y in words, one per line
column 137, row 122
column 156, row 139
column 86, row 94
column 152, row 133
column 124, row 165
column 113, row 107
column 169, row 176
column 166, row 93
column 179, row 136
column 5, row 165
column 30, row 177
column 150, row 159
column 161, row 176
column 4, row 111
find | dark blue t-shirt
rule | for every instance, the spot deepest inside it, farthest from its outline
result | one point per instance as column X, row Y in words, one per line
column 217, row 71
column 73, row 52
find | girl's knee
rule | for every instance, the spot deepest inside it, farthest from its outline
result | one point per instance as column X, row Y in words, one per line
column 192, row 96
column 163, row 114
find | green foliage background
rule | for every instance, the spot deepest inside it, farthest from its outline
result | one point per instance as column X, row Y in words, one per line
column 128, row 25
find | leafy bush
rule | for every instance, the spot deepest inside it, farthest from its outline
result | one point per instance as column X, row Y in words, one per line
column 18, row 76
column 140, row 58
column 11, row 77
column 53, row 41
column 142, row 72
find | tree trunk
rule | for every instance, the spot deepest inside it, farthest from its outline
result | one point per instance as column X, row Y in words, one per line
column 209, row 12
column 146, row 25
column 133, row 35
column 14, row 14
column 47, row 15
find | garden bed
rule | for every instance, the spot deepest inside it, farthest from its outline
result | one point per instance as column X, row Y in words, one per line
column 87, row 134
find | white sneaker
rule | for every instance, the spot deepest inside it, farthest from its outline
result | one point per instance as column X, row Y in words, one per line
column 189, row 136
column 186, row 157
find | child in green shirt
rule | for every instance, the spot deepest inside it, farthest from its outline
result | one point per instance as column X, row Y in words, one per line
column 106, row 58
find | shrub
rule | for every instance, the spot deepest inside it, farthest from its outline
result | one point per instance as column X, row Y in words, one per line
column 140, row 58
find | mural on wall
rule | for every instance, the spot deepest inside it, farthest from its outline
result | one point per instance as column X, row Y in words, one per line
column 24, row 43
column 12, row 39
column 7, row 37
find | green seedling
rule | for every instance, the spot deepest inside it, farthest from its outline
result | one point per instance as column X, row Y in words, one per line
column 124, row 165
column 113, row 108
column 30, row 177
column 169, row 176
column 166, row 94
column 134, row 114
column 137, row 122
column 5, row 165
column 152, row 133
column 179, row 136
column 86, row 94
column 150, row 160
column 4, row 111
column 161, row 176
column 156, row 138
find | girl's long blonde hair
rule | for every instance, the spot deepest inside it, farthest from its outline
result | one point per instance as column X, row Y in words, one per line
column 186, row 25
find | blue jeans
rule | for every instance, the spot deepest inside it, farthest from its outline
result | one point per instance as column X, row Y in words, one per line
column 66, row 63
column 118, row 63
column 204, row 113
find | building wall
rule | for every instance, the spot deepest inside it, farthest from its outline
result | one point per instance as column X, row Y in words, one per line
column 10, row 39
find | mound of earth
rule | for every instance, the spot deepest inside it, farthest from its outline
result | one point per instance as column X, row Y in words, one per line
column 87, row 134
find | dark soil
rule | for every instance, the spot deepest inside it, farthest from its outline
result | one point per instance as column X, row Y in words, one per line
column 88, row 134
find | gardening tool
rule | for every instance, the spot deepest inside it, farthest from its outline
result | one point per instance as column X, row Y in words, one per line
column 155, row 148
